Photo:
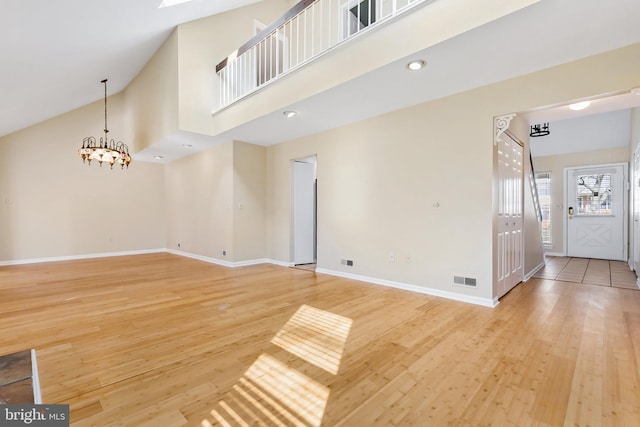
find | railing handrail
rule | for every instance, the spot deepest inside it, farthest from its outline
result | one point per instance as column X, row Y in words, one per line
column 534, row 189
column 299, row 7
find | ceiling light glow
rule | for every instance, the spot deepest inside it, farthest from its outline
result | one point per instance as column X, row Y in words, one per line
column 167, row 3
column 416, row 65
column 289, row 114
column 158, row 157
column 579, row 105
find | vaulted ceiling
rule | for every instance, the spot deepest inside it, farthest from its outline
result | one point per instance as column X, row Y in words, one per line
column 54, row 54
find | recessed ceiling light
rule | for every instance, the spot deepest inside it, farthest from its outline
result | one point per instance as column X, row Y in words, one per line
column 579, row 105
column 158, row 157
column 416, row 65
column 187, row 145
column 636, row 91
column 167, row 3
column 289, row 114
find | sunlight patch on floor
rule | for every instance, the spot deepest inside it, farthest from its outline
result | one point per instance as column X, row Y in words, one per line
column 272, row 393
column 316, row 336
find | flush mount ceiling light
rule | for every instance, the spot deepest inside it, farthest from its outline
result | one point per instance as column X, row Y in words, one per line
column 289, row 114
column 416, row 65
column 158, row 157
column 167, row 3
column 107, row 151
column 579, row 105
column 187, row 145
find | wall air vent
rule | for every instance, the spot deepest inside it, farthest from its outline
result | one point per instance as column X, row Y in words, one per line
column 464, row 281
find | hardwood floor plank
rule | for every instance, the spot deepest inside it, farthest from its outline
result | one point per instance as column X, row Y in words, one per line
column 160, row 339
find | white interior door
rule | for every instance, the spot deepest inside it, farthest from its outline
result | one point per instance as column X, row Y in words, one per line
column 303, row 212
column 596, row 212
column 510, row 190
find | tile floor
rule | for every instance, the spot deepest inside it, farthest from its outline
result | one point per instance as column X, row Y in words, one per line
column 589, row 271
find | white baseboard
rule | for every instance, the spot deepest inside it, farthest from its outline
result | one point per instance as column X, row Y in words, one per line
column 217, row 261
column 76, row 257
column 485, row 302
column 221, row 262
column 560, row 254
column 35, row 379
column 398, row 285
column 533, row 272
column 280, row 263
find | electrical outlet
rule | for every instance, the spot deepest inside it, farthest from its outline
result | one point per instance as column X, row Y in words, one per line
column 224, row 253
column 178, row 244
column 392, row 257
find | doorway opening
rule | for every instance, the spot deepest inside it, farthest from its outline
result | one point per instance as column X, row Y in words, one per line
column 304, row 212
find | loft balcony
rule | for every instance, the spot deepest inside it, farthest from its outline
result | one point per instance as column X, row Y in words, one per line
column 307, row 31
column 321, row 49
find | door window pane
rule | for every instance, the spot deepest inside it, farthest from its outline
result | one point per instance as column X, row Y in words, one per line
column 593, row 194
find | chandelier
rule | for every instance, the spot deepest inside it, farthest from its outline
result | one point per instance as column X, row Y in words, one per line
column 107, row 151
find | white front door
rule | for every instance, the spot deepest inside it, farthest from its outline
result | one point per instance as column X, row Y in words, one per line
column 596, row 211
column 510, row 202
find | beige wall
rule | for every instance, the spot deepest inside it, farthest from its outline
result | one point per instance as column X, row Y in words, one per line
column 52, row 205
column 216, row 202
column 151, row 99
column 556, row 165
column 416, row 182
column 200, row 203
column 249, row 201
column 202, row 45
column 378, row 180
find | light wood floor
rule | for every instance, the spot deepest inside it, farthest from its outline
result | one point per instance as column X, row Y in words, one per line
column 161, row 340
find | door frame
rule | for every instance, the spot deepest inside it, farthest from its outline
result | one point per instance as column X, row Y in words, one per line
column 625, row 204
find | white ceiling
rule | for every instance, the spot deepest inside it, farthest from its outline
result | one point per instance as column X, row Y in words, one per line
column 584, row 133
column 54, row 54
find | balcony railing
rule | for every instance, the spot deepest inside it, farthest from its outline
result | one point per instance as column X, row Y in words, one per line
column 306, row 31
